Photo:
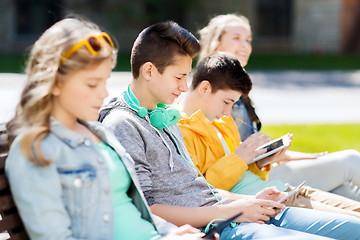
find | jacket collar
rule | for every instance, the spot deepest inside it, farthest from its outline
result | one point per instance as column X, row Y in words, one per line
column 200, row 125
column 74, row 139
column 68, row 136
column 197, row 122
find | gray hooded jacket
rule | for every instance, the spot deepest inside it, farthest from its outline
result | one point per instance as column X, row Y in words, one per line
column 165, row 176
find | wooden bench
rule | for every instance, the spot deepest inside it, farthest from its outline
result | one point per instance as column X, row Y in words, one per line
column 10, row 220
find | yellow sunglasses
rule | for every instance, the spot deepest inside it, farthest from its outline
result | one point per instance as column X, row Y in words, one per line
column 92, row 43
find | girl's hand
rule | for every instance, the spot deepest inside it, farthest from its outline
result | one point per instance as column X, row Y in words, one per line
column 293, row 156
column 185, row 232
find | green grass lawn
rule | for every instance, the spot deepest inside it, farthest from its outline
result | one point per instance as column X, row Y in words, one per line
column 318, row 138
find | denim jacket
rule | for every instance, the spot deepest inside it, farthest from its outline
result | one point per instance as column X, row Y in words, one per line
column 239, row 112
column 70, row 198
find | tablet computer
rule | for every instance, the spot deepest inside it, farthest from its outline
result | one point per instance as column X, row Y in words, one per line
column 292, row 192
column 220, row 226
column 273, row 147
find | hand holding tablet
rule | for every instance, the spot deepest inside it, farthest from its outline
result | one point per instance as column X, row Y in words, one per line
column 292, row 192
column 221, row 226
column 273, row 147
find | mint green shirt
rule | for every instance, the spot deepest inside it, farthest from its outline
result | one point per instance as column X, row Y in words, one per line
column 127, row 218
column 250, row 183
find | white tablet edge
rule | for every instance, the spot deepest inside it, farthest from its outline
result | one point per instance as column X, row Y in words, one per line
column 285, row 140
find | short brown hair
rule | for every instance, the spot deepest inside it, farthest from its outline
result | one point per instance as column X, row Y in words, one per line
column 160, row 43
column 223, row 71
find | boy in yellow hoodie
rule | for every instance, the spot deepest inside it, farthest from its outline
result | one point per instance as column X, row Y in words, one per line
column 213, row 142
column 210, row 133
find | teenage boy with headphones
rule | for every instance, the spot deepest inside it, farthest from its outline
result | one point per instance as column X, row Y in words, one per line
column 161, row 60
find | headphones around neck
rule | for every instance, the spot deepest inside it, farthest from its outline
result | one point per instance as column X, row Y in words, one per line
column 160, row 117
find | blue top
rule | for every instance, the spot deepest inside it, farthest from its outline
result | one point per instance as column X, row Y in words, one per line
column 239, row 112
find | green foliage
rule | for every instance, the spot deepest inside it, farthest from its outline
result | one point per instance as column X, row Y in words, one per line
column 278, row 61
column 16, row 62
column 123, row 63
column 12, row 63
column 319, row 138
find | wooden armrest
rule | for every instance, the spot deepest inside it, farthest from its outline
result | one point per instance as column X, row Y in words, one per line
column 10, row 220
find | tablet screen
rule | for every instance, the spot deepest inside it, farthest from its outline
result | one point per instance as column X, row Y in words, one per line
column 274, row 145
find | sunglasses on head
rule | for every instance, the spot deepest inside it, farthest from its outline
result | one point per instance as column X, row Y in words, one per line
column 92, row 43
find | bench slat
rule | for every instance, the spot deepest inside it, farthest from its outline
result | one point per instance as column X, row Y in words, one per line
column 9, row 222
column 6, row 203
column 3, row 182
column 19, row 236
column 2, row 162
column 4, row 147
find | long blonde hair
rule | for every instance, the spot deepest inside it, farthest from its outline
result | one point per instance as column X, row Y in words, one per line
column 210, row 35
column 44, row 70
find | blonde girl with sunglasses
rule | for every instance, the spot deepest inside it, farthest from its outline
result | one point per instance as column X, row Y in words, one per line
column 70, row 178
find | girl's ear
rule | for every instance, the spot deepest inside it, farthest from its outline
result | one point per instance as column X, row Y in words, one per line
column 146, row 70
column 56, row 89
column 204, row 88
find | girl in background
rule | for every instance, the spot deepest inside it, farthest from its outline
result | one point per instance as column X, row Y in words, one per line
column 334, row 172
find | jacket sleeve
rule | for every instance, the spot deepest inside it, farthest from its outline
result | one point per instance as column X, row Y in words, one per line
column 224, row 173
column 263, row 174
column 37, row 195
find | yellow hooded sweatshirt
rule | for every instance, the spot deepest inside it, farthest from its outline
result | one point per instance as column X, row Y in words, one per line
column 207, row 152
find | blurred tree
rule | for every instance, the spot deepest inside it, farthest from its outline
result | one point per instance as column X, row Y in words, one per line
column 352, row 45
column 162, row 10
column 35, row 16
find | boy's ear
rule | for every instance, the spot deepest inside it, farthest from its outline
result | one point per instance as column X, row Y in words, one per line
column 204, row 87
column 146, row 70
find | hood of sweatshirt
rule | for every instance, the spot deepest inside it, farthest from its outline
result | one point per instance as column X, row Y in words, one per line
column 110, row 105
column 200, row 125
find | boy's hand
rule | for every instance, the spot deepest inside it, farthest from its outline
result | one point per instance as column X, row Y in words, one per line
column 272, row 158
column 247, row 149
column 270, row 193
column 254, row 210
column 276, row 157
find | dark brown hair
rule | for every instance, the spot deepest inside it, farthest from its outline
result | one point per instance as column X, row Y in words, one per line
column 223, row 71
column 160, row 43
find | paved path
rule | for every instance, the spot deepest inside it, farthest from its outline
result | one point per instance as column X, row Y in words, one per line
column 280, row 97
column 307, row 97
